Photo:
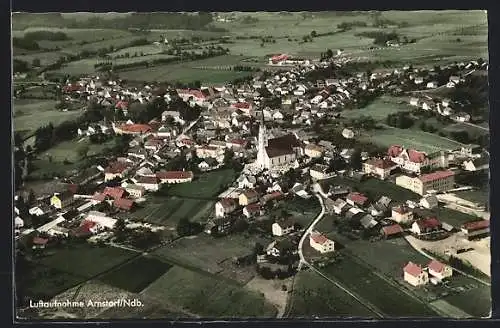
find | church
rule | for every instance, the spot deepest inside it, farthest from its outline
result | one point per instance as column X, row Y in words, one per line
column 276, row 152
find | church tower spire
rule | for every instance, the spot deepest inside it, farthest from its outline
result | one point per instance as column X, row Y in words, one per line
column 262, row 144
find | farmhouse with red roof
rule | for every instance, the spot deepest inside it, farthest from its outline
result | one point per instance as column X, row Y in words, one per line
column 390, row 231
column 439, row 270
column 380, row 167
column 321, row 243
column 415, row 275
column 414, row 161
column 476, row 229
column 425, row 226
column 356, row 198
column 175, row 176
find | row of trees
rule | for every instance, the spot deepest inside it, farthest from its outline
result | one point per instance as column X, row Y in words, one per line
column 401, row 120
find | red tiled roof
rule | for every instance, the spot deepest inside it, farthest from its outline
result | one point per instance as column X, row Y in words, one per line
column 413, row 269
column 381, row 163
column 123, row 203
column 114, row 192
column 195, row 93
column 117, row 167
column 357, row 198
column 242, row 105
column 240, row 142
column 87, row 225
column 73, row 188
column 123, row 105
column 40, row 241
column 436, row 266
column 278, row 58
column 135, row 128
column 250, row 193
column 227, row 202
column 73, row 88
column 167, row 175
column 318, row 238
column 253, row 208
column 147, row 180
column 401, row 209
column 394, row 150
column 476, row 225
column 99, row 197
column 435, row 176
column 429, row 223
column 392, row 230
column 416, row 156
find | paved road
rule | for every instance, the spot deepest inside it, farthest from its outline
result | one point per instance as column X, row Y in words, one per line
column 303, row 261
column 476, row 126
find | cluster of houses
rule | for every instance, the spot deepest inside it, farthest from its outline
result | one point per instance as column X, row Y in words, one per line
column 434, row 272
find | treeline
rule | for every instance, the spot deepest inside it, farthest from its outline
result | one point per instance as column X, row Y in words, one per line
column 29, row 40
column 20, row 66
column 345, row 26
column 381, row 38
column 401, row 120
column 21, row 21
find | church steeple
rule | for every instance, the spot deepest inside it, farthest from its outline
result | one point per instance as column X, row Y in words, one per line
column 262, row 143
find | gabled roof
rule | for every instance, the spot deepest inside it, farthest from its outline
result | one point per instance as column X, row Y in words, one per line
column 123, row 203
column 114, row 192
column 227, row 203
column 319, row 238
column 147, row 180
column 428, row 223
column 413, row 269
column 167, row 175
column 392, row 230
column 357, row 198
column 435, row 176
column 476, row 225
column 436, row 266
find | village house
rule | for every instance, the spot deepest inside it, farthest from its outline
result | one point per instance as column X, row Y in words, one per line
column 429, row 202
column 208, row 164
column 414, row 161
column 135, row 190
column 62, row 200
column 225, row 206
column 340, row 206
column 175, row 176
column 219, row 225
column 39, row 243
column 248, row 197
column 438, row 270
column 476, row 164
column 391, row 231
column 415, row 275
column 347, row 133
column 116, row 170
column 123, row 204
column 321, row 243
column 476, row 229
column 426, row 226
column 281, row 248
column 319, row 172
column 414, row 102
column 252, row 210
column 132, row 129
column 149, row 183
column 208, row 151
column 436, row 182
column 381, row 168
column 283, row 227
column 313, row 151
column 402, row 214
column 102, row 219
column 356, row 199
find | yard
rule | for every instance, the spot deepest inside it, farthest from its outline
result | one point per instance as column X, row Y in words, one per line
column 475, row 301
column 136, row 275
column 207, row 185
column 314, row 296
column 208, row 296
column 450, row 216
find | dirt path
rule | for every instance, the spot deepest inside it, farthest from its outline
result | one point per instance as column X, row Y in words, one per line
column 272, row 290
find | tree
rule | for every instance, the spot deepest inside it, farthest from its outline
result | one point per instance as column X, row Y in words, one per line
column 228, row 157
column 313, row 34
column 356, row 161
column 329, row 53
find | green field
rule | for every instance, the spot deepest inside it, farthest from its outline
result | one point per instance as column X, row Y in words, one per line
column 410, row 138
column 30, row 114
column 362, row 280
column 380, row 108
column 477, row 196
column 206, row 253
column 207, row 296
column 91, row 260
column 315, row 296
column 136, row 275
column 207, row 185
column 183, row 73
column 167, row 211
column 476, row 301
column 68, row 150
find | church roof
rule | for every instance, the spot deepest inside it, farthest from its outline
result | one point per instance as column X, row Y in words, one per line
column 282, row 146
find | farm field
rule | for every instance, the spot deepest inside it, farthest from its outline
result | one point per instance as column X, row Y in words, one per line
column 194, row 252
column 91, row 260
column 374, row 188
column 476, row 301
column 46, row 58
column 410, row 138
column 207, row 185
column 183, row 73
column 393, row 302
column 127, row 278
column 30, row 114
column 315, row 296
column 68, row 150
column 380, row 108
column 208, row 296
column 167, row 211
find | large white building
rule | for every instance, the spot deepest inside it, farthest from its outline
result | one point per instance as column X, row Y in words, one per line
column 320, row 243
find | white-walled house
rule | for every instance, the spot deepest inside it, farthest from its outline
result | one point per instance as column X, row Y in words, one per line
column 225, row 206
column 321, row 243
column 283, row 227
column 415, row 275
column 439, row 270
